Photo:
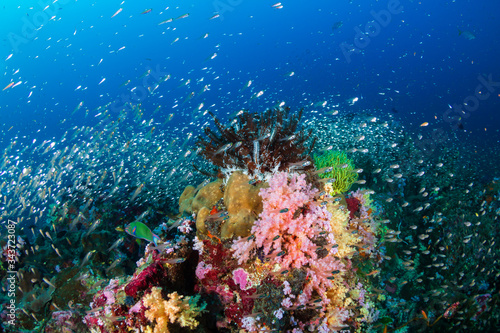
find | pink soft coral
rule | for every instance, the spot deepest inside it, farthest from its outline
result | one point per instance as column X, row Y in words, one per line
column 289, row 228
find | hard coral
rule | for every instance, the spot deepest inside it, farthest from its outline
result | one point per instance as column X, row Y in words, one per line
column 258, row 143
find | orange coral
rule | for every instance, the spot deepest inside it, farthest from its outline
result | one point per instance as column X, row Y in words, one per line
column 177, row 308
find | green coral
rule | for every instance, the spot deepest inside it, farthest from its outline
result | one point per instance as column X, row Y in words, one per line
column 196, row 307
column 343, row 170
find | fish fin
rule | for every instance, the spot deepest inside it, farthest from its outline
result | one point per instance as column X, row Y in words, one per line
column 156, row 239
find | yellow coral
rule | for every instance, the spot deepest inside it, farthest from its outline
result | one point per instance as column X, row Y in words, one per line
column 364, row 313
column 337, row 293
column 145, row 329
column 354, row 293
column 177, row 308
column 344, row 239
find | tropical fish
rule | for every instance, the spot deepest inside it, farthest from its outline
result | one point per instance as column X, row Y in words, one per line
column 147, row 11
column 87, row 258
column 8, row 86
column 466, row 34
column 337, row 25
column 374, row 272
column 223, row 148
column 115, row 244
column 352, row 101
column 137, row 191
column 49, row 283
column 166, row 21
column 140, row 230
column 248, row 84
column 114, row 264
column 182, row 16
column 301, row 164
column 257, row 95
column 117, row 12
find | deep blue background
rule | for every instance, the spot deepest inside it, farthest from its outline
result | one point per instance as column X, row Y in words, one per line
column 419, row 54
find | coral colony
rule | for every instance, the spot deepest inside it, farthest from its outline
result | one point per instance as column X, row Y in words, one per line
column 280, row 239
column 275, row 241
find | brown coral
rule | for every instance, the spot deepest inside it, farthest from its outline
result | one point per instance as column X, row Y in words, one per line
column 192, row 201
column 243, row 205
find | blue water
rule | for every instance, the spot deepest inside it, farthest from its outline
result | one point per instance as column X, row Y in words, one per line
column 410, row 63
column 417, row 52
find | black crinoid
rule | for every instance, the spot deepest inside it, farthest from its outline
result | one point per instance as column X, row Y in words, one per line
column 259, row 143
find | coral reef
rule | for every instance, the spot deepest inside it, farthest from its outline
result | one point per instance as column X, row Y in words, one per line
column 274, row 245
column 295, row 264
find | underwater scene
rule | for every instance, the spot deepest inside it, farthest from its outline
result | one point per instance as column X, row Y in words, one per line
column 250, row 166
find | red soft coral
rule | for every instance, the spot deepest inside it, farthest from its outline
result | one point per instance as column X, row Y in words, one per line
column 353, row 204
column 150, row 276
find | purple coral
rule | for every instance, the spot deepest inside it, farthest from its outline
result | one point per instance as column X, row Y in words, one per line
column 202, row 269
column 240, row 277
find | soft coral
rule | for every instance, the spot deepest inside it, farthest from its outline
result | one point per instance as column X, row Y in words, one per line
column 290, row 229
column 285, row 224
column 353, row 205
